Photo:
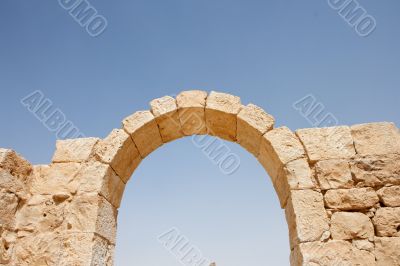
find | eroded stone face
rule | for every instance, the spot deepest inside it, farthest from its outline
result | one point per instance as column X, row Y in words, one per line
column 390, row 196
column 221, row 115
column 387, row 250
column 351, row 225
column 351, row 199
column 74, row 150
column 191, row 109
column 333, row 174
column 387, row 221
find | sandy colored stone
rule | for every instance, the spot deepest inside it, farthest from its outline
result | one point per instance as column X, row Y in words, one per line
column 376, row 138
column 363, row 244
column 8, row 204
column 332, row 253
column 165, row 110
column 143, row 128
column 12, row 184
column 74, row 150
column 332, row 174
column 327, row 143
column 351, row 225
column 390, row 196
column 191, row 109
column 387, row 221
column 351, row 199
column 387, row 251
column 15, row 164
column 118, row 150
column 293, row 176
column 98, row 177
column 221, row 115
column 376, row 170
column 252, row 123
column 93, row 214
column 278, row 147
column 306, row 216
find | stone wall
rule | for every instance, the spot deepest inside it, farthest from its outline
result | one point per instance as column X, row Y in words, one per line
column 339, row 186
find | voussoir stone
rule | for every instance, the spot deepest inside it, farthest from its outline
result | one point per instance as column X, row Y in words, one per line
column 74, row 150
column 221, row 115
column 191, row 109
column 119, row 151
column 15, row 164
column 294, row 175
column 387, row 221
column 390, row 196
column 351, row 225
column 306, row 216
column 376, row 138
column 278, row 147
column 334, row 173
column 143, row 128
column 252, row 123
column 351, row 199
column 165, row 110
column 376, row 170
column 331, row 253
column 327, row 143
column 387, row 251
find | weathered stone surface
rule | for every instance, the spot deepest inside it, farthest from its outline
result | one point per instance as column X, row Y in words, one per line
column 363, row 244
column 327, row 143
column 165, row 111
column 191, row 109
column 12, row 184
column 351, row 225
column 278, row 147
column 332, row 174
column 351, row 199
column 387, row 221
column 390, row 196
column 376, row 138
column 9, row 203
column 15, row 164
column 143, row 128
column 376, row 170
column 332, row 253
column 74, row 150
column 252, row 123
column 221, row 115
column 306, row 216
column 293, row 176
column 91, row 213
column 98, row 177
column 118, row 150
column 387, row 251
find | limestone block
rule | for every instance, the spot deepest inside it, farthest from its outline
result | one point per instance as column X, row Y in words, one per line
column 376, row 170
column 191, row 109
column 351, row 225
column 74, row 150
column 327, row 143
column 294, row 175
column 12, row 184
column 306, row 217
column 332, row 253
column 376, row 138
column 278, row 147
column 143, row 128
column 166, row 113
column 351, row 199
column 15, row 164
column 55, row 178
column 332, row 174
column 387, row 221
column 252, row 123
column 92, row 213
column 96, row 177
column 390, row 196
column 119, row 151
column 8, row 207
column 221, row 115
column 387, row 251
column 363, row 244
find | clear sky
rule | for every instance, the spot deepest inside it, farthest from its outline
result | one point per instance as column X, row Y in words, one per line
column 270, row 53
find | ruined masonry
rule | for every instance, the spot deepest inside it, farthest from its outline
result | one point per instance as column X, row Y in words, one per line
column 339, row 186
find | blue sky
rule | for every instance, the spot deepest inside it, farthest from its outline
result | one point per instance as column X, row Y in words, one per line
column 270, row 53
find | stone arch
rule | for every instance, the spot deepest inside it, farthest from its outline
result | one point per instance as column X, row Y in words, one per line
column 336, row 184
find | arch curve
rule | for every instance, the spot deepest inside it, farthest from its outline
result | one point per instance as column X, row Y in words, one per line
column 326, row 179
